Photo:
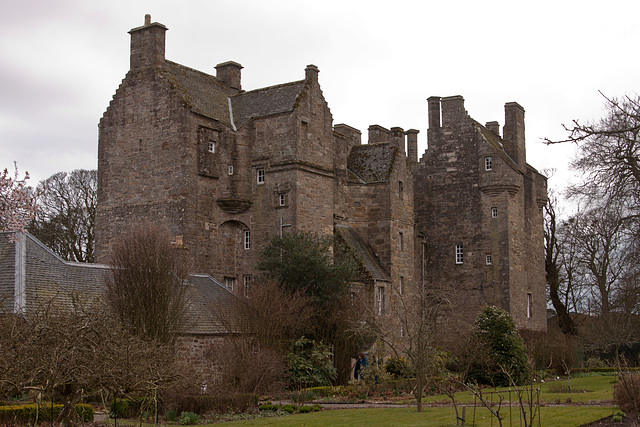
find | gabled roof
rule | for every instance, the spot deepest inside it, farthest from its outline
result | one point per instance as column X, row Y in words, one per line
column 495, row 141
column 202, row 93
column 46, row 278
column 370, row 163
column 363, row 252
column 266, row 101
column 207, row 95
column 40, row 276
column 211, row 307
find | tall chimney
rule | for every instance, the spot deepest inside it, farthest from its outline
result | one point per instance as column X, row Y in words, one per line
column 147, row 44
column 412, row 146
column 434, row 111
column 452, row 109
column 513, row 133
column 378, row 134
column 229, row 72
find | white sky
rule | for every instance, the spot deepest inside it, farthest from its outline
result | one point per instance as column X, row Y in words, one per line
column 62, row 60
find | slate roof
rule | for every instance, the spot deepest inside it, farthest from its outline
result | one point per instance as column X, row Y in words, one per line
column 201, row 92
column 49, row 278
column 370, row 163
column 264, row 102
column 207, row 95
column 363, row 252
column 210, row 306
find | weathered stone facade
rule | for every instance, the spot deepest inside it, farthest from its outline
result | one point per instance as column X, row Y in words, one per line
column 227, row 169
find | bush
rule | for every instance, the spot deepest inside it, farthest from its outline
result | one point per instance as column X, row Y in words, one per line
column 172, row 416
column 305, row 409
column 217, row 403
column 399, row 367
column 268, row 407
column 626, row 391
column 310, row 364
column 26, row 414
column 303, row 395
column 290, row 408
column 126, row 408
column 500, row 356
column 189, row 418
column 618, row 416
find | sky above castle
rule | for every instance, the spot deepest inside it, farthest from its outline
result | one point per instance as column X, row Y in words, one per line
column 61, row 62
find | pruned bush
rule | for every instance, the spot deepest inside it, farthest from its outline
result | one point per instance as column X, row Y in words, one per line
column 290, row 408
column 28, row 414
column 626, row 392
column 215, row 403
column 246, row 368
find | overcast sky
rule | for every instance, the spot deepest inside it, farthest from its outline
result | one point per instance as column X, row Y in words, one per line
column 62, row 60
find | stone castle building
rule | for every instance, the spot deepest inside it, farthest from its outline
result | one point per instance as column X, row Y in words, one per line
column 227, row 169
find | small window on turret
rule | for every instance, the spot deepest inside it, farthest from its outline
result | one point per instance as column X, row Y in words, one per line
column 488, row 163
column 494, row 212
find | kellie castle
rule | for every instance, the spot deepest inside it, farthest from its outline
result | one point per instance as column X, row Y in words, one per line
column 226, row 169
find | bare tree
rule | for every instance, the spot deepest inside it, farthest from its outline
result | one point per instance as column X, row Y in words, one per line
column 555, row 267
column 18, row 202
column 147, row 287
column 409, row 329
column 66, row 216
column 71, row 351
column 609, row 151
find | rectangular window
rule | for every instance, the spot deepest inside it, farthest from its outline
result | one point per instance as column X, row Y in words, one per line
column 494, row 212
column 489, row 259
column 459, row 254
column 380, row 299
column 401, row 331
column 282, row 199
column 401, row 285
column 246, row 282
column 230, row 283
column 211, row 146
column 260, row 176
column 488, row 163
column 529, row 304
column 247, row 239
column 401, row 189
column 400, row 241
column 230, row 170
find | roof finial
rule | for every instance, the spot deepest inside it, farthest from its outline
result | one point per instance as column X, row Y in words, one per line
column 147, row 19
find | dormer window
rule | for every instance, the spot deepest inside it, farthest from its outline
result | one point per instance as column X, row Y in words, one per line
column 488, row 163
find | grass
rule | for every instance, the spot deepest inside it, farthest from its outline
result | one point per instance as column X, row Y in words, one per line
column 430, row 417
column 585, row 390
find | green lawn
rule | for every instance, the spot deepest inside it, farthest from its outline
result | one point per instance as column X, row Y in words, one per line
column 585, row 389
column 430, row 417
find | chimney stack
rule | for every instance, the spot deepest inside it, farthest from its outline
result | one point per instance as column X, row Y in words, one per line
column 147, row 44
column 229, row 72
column 513, row 133
column 434, row 111
column 397, row 138
column 452, row 109
column 493, row 127
column 412, row 146
column 378, row 134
